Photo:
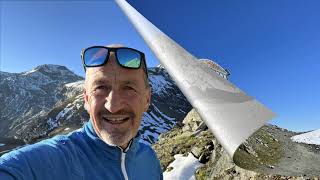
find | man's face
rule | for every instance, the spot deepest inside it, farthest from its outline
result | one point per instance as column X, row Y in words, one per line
column 116, row 99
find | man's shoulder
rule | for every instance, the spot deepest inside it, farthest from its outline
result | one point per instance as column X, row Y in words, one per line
column 49, row 156
column 55, row 146
column 58, row 141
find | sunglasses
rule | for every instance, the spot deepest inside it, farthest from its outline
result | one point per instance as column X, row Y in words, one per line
column 126, row 57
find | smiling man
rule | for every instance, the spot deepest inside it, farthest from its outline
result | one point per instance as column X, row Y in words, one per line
column 116, row 94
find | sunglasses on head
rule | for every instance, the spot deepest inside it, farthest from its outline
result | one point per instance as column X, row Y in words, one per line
column 126, row 57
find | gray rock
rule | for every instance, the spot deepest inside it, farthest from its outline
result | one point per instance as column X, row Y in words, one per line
column 196, row 152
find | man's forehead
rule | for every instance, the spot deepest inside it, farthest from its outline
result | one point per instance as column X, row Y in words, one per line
column 111, row 68
column 100, row 74
column 103, row 80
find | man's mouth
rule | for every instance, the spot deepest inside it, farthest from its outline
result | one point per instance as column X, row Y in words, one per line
column 116, row 119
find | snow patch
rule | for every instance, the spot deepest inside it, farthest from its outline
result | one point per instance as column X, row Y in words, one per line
column 312, row 137
column 2, row 144
column 63, row 112
column 150, row 136
column 29, row 72
column 153, row 125
column 77, row 84
column 52, row 123
column 184, row 168
column 159, row 84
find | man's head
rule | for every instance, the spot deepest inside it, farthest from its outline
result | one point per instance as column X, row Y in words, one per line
column 116, row 98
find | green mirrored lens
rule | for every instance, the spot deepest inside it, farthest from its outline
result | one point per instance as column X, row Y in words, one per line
column 129, row 58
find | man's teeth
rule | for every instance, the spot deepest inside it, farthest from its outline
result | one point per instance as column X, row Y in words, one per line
column 115, row 119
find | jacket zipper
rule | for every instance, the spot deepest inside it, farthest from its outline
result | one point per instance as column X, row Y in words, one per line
column 123, row 165
column 123, row 160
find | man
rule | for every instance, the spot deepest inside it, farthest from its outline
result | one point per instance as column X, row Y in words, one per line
column 116, row 94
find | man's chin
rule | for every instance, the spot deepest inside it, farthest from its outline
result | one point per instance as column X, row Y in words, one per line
column 116, row 139
column 115, row 134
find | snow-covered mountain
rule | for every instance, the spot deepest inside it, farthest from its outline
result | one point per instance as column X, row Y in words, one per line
column 29, row 94
column 312, row 137
column 48, row 100
column 168, row 105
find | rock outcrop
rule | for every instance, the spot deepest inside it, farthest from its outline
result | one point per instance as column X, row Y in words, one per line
column 260, row 157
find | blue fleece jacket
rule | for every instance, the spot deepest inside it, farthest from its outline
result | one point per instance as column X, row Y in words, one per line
column 80, row 155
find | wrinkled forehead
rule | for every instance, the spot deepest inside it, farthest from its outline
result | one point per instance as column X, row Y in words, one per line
column 111, row 72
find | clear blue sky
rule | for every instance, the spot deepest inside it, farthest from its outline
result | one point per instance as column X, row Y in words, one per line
column 271, row 47
column 55, row 32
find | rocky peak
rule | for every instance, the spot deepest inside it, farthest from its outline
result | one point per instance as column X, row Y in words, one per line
column 53, row 72
column 51, row 68
column 29, row 93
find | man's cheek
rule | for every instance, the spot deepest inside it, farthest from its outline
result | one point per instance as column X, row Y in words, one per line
column 95, row 107
column 91, row 105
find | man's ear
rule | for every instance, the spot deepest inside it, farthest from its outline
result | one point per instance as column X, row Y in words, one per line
column 85, row 98
column 148, row 96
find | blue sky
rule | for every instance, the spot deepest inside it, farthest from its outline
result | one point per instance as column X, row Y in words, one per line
column 271, row 47
column 55, row 32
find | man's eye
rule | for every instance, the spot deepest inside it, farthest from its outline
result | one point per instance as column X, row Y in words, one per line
column 101, row 87
column 129, row 88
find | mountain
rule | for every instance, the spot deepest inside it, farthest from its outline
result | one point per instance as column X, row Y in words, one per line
column 268, row 154
column 29, row 94
column 48, row 100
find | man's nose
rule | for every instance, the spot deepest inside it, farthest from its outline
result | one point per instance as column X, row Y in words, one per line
column 114, row 102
